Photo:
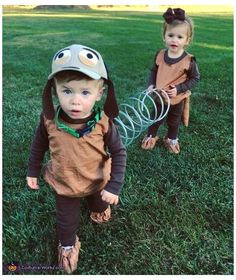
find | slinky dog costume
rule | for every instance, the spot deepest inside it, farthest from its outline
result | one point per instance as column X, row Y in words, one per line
column 181, row 72
column 83, row 162
column 167, row 73
column 174, row 74
column 82, row 167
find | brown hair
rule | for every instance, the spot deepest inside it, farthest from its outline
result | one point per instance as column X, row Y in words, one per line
column 71, row 75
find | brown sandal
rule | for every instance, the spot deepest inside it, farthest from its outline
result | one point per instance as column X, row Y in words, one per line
column 68, row 258
column 102, row 217
column 173, row 148
column 149, row 143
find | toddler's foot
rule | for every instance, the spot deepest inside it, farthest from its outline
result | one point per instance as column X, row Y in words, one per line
column 101, row 217
column 171, row 145
column 68, row 256
column 149, row 142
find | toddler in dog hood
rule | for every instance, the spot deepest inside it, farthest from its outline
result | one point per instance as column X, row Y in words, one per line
column 87, row 157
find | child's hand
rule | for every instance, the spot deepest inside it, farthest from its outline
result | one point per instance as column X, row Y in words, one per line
column 150, row 88
column 109, row 197
column 32, row 183
column 172, row 92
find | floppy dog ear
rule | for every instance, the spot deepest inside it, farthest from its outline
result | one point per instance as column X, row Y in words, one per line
column 48, row 108
column 110, row 107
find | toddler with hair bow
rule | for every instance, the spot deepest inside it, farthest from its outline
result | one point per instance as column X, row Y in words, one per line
column 174, row 73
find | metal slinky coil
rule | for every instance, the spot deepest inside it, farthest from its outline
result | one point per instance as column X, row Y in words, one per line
column 139, row 113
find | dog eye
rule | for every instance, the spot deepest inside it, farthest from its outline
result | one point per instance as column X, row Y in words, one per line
column 63, row 57
column 88, row 58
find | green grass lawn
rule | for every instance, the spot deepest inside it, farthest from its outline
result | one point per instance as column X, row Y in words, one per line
column 175, row 214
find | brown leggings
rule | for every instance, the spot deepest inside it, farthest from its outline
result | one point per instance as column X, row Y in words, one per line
column 173, row 120
column 68, row 215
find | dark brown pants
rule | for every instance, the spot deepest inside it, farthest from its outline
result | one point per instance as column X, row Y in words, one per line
column 68, row 215
column 173, row 120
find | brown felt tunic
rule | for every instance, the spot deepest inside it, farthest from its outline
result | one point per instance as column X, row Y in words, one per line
column 172, row 74
column 81, row 167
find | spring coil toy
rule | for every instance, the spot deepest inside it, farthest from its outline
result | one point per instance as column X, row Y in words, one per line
column 134, row 118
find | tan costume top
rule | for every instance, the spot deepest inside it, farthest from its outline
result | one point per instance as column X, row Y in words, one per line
column 172, row 74
column 78, row 166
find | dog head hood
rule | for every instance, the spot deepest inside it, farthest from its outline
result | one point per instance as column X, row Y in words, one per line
column 87, row 61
